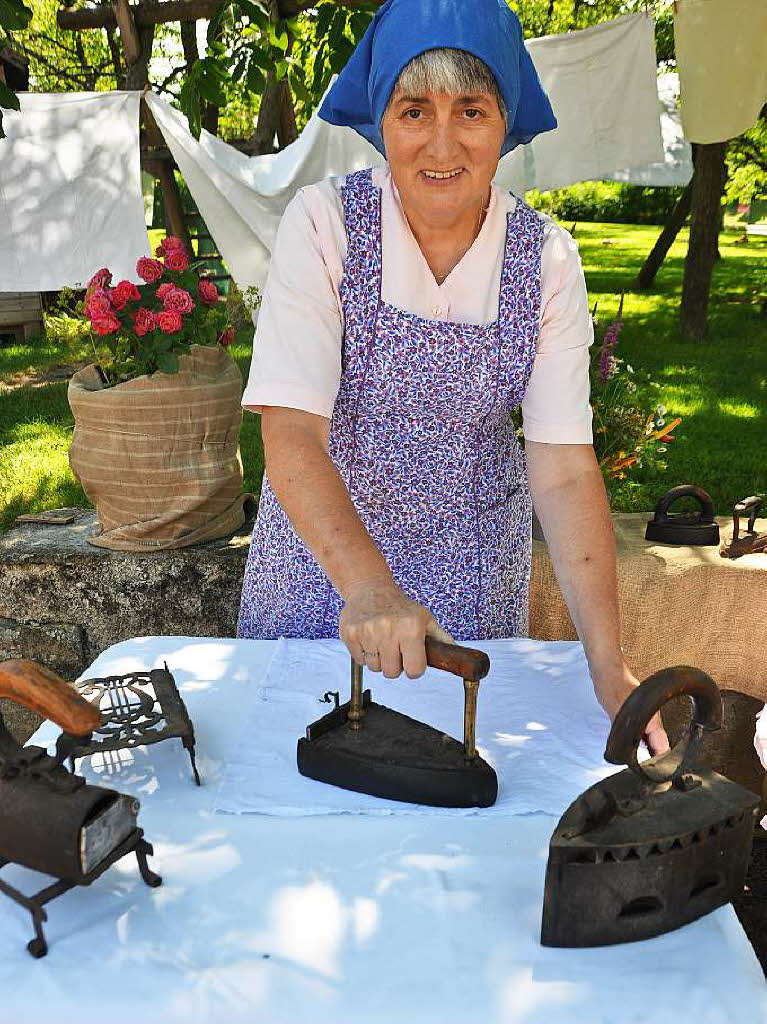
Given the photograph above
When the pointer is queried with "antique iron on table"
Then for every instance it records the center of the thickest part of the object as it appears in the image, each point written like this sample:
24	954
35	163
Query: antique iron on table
51	820
369	748
657	845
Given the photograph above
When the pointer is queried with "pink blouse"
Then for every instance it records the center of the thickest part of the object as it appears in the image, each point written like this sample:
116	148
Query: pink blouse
297	348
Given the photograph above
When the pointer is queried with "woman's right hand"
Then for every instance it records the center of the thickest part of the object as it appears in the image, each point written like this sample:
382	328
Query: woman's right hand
385	631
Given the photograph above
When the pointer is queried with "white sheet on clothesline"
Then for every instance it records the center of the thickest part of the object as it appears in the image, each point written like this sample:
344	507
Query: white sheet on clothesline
676	166
602	84
70	190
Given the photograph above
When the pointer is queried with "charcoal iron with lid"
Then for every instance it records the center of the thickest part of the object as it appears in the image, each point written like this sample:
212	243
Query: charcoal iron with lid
51	820
369	748
657	845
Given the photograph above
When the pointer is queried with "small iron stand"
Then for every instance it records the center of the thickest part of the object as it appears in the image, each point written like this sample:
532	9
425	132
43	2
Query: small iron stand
135	842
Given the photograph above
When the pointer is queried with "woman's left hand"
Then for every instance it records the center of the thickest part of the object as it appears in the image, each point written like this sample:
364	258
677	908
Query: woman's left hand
613	689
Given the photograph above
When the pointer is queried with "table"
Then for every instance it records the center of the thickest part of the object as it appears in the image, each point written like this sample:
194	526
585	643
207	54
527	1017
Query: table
354	920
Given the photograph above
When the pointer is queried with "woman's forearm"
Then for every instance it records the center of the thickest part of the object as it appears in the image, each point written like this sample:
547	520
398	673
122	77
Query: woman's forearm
307	484
570	501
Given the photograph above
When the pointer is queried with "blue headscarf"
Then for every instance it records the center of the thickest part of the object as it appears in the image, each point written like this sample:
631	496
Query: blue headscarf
403	29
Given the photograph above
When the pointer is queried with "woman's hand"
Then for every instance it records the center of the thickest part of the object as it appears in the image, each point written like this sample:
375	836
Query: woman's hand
385	631
611	692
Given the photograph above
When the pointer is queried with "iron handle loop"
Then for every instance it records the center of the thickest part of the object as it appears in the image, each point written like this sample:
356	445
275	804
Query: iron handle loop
645	701
685	491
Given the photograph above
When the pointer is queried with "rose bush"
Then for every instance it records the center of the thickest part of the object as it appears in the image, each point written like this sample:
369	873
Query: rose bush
147	326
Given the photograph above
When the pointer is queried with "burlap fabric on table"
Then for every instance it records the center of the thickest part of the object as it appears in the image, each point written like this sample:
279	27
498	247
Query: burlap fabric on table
679	606
159	456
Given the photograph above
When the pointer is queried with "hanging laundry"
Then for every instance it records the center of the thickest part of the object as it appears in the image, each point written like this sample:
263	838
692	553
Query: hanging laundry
602	84
70	190
676	166
721	52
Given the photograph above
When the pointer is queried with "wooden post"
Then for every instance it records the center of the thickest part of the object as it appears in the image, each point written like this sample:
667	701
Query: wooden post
128	32
707	186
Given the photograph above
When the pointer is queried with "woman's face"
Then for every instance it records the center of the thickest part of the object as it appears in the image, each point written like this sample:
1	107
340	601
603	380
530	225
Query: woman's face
443	133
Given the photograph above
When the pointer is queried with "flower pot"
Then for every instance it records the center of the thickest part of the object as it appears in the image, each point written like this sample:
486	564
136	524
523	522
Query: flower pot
158	456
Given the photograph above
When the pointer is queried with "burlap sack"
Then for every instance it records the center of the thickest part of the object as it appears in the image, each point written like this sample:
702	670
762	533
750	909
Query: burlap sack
679	606
159	456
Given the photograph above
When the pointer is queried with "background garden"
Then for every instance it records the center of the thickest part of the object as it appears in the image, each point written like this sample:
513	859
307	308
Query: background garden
249	56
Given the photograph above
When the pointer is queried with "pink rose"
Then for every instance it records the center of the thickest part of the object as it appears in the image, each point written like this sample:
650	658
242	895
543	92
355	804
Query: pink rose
124	292
149	270
208	292
226	337
106	324
170	244
100	279
144	321
169	321
178	298
97	303
163	290
176	260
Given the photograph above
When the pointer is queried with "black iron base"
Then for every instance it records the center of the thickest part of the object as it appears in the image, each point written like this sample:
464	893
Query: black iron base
394	757
135	843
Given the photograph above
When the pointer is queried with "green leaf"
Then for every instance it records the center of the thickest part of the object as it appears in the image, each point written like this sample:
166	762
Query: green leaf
358	24
281	69
240	67
298	86
167	362
324	17
14	15
8	98
256	80
337	26
262	58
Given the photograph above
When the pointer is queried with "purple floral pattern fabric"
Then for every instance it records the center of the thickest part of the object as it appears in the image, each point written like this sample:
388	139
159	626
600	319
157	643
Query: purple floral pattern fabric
422	435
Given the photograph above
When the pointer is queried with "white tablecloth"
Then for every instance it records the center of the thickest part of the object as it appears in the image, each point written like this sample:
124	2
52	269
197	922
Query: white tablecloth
345	919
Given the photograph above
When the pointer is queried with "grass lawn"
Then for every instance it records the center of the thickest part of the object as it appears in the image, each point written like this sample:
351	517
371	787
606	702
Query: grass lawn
718	387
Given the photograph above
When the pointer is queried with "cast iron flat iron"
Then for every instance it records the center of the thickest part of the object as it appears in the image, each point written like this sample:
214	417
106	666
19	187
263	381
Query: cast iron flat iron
369	748
51	820
657	845
695	528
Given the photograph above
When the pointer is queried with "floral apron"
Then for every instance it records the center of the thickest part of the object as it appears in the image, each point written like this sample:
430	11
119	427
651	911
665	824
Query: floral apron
422	435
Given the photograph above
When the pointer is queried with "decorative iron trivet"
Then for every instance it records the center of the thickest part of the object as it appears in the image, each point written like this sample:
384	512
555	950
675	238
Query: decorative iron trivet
136	709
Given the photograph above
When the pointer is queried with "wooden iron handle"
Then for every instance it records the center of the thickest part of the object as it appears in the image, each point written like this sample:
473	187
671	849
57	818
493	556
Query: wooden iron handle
461	661
47	694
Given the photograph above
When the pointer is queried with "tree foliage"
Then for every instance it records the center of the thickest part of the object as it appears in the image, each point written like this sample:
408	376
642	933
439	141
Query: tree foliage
14	16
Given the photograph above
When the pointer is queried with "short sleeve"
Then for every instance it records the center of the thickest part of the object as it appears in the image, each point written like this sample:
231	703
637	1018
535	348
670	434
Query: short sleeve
555	408
296	359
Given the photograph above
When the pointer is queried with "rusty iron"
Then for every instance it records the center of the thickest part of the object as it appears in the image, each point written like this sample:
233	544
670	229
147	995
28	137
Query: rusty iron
750	542
369	748
136	709
51	820
696	528
657	845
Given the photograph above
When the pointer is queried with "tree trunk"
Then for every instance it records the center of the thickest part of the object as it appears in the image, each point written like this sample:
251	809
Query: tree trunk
673	225
175	224
707	186
137	74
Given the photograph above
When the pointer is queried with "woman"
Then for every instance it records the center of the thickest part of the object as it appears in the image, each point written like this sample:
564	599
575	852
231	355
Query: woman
408	311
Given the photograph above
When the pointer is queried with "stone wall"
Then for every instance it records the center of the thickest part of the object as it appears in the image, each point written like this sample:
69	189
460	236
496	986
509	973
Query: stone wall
64	601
